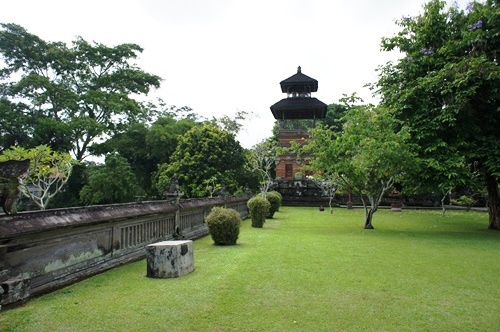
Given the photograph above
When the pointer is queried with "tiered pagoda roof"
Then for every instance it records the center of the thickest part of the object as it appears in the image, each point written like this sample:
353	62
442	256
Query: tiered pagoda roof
297	81
299	104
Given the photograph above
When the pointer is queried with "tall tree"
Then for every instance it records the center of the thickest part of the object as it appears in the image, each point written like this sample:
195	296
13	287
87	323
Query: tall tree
446	88
439	169
234	123
113	182
68	96
334	116
163	136
145	147
131	145
368	156
203	153
14	125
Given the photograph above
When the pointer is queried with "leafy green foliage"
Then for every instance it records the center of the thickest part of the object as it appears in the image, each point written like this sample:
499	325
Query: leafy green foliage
67	97
113	182
212	186
280	199
232	124
368	156
446	89
69	196
163	136
334	117
259	209
202	153
464	200
14	125
224	225
145	147
48	172
274	199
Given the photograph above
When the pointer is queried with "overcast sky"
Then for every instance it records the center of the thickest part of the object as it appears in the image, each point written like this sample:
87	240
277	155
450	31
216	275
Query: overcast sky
221	56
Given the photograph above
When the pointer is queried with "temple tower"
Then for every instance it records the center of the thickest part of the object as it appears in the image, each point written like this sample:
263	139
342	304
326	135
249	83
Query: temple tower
296	114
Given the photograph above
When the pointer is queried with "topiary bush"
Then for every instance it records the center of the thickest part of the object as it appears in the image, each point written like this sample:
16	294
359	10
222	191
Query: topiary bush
274	198
223	225
281	198
259	209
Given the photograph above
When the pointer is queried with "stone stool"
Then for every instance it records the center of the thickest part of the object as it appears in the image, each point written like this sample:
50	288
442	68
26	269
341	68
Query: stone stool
169	259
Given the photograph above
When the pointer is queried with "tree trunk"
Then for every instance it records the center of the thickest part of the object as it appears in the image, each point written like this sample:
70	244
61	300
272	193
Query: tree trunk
369	211
443	207
330	202
368	219
493	202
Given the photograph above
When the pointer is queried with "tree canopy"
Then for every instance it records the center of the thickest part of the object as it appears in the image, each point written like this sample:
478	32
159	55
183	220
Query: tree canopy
203	153
446	89
67	96
147	146
113	182
368	156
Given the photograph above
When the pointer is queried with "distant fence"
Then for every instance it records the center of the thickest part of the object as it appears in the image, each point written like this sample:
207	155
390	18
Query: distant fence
410	201
307	193
44	250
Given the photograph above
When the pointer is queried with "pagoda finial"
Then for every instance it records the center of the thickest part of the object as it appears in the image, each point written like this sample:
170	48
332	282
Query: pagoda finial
299	70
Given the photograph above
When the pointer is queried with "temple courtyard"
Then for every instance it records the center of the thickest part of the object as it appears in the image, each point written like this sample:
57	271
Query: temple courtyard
305	270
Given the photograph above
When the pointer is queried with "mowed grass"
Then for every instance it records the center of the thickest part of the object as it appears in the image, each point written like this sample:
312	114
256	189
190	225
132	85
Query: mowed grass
306	270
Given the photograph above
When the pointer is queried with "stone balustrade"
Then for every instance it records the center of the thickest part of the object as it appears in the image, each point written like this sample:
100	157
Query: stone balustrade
44	250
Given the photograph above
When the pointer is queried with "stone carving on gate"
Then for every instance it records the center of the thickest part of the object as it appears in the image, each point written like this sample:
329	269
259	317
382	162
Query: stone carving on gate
10	171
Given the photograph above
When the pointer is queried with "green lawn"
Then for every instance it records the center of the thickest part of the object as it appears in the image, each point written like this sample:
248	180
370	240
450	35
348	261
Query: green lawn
306	270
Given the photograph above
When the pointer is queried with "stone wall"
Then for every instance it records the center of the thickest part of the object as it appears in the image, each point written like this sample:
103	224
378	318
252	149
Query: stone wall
44	250
306	193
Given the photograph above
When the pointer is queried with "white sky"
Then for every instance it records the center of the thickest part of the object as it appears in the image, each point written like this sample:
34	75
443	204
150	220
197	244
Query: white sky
220	56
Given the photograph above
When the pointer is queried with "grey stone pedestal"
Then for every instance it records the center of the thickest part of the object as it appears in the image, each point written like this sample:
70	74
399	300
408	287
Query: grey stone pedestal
169	259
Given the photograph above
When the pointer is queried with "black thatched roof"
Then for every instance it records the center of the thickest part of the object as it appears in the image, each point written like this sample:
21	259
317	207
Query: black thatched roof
299	108
298	83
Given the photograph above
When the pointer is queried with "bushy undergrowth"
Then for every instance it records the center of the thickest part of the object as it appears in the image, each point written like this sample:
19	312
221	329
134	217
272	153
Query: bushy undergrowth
259	209
224	225
274	199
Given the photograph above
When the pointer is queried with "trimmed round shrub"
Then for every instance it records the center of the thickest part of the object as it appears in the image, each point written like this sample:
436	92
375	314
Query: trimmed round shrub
281	198
275	199
259	209
223	225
